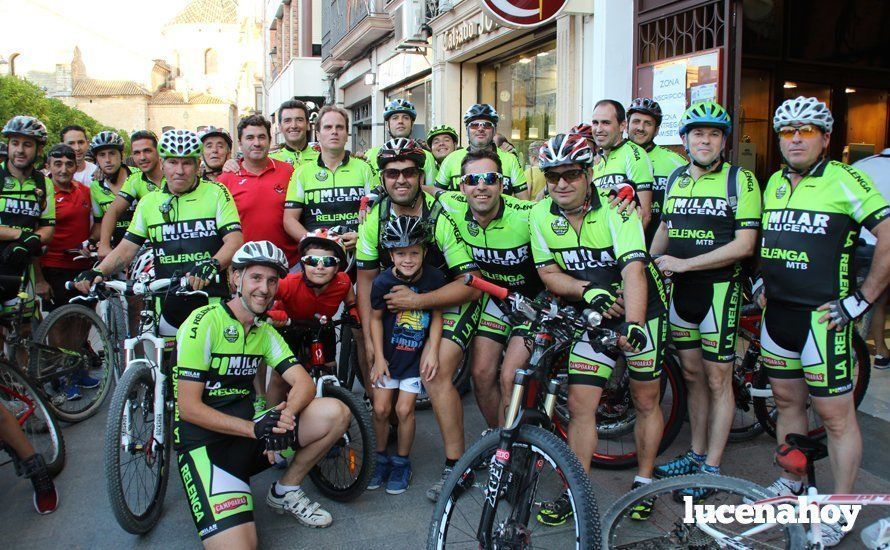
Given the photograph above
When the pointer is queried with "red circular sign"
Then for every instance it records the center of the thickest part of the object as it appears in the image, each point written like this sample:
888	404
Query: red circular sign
524	13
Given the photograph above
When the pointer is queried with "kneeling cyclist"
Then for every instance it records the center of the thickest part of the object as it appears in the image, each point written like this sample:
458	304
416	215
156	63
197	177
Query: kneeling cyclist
220	444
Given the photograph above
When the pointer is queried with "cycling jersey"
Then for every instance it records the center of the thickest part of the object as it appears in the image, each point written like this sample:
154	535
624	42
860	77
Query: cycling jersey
293	157
138	185
190	232
702	215
329	198
810	233
449	173
627	163
101	197
664	162
430	169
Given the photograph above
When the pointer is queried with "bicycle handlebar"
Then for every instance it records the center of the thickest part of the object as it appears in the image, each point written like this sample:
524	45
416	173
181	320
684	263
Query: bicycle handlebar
487	287
124	288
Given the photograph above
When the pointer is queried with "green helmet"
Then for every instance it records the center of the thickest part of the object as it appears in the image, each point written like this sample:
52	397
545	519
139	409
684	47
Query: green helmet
705	114
442	129
180	144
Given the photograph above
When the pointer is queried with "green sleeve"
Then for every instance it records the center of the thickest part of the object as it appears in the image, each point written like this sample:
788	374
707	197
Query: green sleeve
366	251
227	220
371	158
749	208
48	216
429	169
867	206
628	240
541	253
277	353
295	197
639	169
130	189
194	340
443	178
457	257
137	231
514	171
95	206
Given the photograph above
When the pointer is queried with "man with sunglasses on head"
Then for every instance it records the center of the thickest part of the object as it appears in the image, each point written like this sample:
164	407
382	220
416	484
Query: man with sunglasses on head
400	161
191	224
591	255
812	213
481	121
709	225
399	116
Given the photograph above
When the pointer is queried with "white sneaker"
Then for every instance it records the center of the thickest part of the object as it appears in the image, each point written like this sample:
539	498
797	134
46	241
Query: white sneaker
297	504
782	487
832	534
877	535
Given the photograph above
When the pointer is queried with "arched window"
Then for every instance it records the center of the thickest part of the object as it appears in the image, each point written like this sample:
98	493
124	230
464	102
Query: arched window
210	61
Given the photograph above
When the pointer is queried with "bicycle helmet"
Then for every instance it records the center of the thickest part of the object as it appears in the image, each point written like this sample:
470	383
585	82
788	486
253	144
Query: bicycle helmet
27	126
803	110
399	106
584	130
707	114
400	149
482	111
403	231
327	239
646	106
106	140
564	149
143	265
442	129
180	144
211	131
261	253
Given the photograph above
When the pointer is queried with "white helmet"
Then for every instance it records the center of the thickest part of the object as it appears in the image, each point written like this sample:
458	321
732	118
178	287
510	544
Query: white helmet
143	263
803	110
261	253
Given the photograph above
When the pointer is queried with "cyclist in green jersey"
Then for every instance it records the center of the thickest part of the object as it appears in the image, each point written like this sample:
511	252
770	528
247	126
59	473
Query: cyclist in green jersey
710	223
481	121
217	144
442	141
220	442
295	125
328	192
191	224
812	214
494	228
620	162
643	122
400	173
107	148
27	210
149	177
588	254
398	117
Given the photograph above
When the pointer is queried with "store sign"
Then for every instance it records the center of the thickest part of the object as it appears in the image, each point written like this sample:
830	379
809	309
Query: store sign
669	90
467	31
400	67
524	13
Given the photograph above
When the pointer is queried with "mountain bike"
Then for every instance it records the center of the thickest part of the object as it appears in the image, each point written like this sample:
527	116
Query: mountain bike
343	473
527	463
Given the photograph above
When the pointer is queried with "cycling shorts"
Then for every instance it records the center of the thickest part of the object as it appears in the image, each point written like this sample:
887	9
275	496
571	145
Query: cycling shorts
495	325
408	385
795	344
594	367
706	316
459	323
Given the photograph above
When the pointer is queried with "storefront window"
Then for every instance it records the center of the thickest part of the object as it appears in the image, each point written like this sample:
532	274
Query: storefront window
866	122
523	90
420	94
361	127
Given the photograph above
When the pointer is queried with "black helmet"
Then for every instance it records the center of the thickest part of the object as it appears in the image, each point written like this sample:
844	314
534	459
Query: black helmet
106	140
27	126
400	149
646	106
403	231
482	111
399	106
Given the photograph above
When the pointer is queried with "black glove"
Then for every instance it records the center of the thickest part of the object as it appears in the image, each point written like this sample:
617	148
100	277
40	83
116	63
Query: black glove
263	424
21	250
635	334
206	269
281	442
850	308
599	299
89	275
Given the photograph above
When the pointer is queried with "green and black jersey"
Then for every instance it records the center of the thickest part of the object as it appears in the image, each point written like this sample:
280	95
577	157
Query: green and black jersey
430	168
293	157
138	185
627	163
502	249
101	197
664	162
448	177
26	204
329	198
810	232
702	215
186	229
212	348
607	242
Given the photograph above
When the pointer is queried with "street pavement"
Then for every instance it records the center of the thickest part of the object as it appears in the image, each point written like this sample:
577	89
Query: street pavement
375	520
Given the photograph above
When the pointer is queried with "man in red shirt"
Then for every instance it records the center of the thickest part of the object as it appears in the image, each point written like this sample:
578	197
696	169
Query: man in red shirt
259	187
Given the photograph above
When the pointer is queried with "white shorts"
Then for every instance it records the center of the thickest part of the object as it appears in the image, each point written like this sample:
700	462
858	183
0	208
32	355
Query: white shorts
410	385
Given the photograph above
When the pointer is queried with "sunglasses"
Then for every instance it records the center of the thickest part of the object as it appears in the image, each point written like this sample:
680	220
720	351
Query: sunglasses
805	131
480	124
317	261
570	176
393	173
488	178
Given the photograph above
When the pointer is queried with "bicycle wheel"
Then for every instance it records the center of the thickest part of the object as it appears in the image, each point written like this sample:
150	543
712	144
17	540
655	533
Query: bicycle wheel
461	381
72	345
115	319
136	467
541	467
343	473
20	398
765	407
347	360
666	527
745	424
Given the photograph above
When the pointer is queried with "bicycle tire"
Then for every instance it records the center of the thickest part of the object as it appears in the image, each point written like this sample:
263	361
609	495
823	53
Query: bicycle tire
744	401
766	413
62	317
545	443
461	381
347	359
138	522
118	329
741	487
360	425
42	429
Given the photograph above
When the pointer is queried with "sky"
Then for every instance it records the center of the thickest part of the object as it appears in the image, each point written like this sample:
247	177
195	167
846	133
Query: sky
118	39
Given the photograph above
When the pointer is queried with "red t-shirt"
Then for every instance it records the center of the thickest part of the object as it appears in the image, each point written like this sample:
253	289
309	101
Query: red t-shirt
73	215
260	202
300	302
